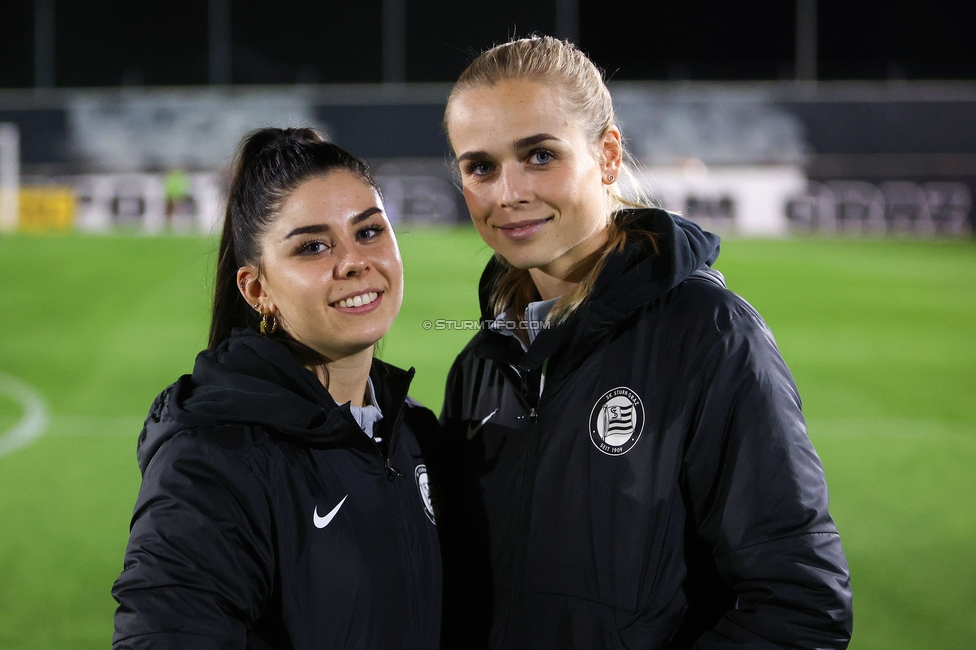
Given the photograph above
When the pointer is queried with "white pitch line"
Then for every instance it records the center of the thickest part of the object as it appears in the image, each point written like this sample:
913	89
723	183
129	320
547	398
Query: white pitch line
102	426
35	419
889	429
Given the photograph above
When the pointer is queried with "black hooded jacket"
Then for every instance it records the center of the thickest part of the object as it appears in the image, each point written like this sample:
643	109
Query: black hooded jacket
641	477
268	519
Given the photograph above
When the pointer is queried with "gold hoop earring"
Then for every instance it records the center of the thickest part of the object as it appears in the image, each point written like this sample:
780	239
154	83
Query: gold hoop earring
269	324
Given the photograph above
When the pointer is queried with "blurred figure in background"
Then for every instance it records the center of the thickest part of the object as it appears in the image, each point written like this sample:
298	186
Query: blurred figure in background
284	501
180	205
628	463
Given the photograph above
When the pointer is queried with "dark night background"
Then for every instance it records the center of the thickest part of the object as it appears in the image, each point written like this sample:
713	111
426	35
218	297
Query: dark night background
115	42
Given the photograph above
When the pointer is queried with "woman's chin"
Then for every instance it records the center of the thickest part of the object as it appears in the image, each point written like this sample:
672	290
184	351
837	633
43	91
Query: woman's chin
354	348
336	350
525	258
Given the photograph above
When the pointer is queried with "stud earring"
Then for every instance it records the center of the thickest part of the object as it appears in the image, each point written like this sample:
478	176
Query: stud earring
610	178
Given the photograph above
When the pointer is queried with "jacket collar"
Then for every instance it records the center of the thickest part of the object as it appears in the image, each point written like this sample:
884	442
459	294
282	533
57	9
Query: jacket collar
254	380
630	279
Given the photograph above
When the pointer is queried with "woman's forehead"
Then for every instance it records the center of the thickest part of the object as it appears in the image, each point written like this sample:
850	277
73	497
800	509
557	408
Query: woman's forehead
334	199
509	94
506	113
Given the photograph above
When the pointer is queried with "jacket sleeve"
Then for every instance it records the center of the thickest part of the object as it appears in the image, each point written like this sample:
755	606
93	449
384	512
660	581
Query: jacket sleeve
759	499
199	564
453	392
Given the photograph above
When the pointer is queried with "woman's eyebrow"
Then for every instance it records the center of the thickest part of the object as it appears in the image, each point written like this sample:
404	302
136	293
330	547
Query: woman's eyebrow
364	215
522	143
472	155
321	227
303	230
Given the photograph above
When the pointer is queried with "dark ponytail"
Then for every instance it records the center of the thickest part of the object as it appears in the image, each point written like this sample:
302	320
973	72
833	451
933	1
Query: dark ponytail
269	165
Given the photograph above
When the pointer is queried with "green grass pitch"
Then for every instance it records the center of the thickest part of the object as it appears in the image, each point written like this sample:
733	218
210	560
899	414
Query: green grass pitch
881	336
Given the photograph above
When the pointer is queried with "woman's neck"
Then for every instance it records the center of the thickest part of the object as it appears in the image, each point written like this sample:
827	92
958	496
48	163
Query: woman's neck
565	274
346	378
550	286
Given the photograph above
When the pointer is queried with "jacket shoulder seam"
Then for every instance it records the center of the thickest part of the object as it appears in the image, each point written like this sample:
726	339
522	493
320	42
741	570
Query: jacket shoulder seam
807	533
714	339
240	456
149	634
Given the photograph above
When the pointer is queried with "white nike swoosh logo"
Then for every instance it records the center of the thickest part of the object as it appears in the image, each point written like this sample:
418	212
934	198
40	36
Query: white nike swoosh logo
473	429
322	522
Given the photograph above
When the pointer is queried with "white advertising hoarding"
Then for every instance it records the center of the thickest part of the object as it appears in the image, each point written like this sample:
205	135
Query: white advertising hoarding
745	200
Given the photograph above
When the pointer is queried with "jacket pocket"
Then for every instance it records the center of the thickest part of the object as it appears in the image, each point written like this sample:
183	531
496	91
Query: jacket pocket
650	629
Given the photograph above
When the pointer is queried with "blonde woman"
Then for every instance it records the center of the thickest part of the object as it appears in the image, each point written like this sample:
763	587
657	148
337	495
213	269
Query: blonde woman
628	462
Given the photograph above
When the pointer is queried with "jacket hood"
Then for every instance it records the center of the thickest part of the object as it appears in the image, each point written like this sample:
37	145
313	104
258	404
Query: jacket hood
254	380
630	279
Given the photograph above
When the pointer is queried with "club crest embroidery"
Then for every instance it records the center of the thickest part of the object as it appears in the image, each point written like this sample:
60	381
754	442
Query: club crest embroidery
617	421
428	492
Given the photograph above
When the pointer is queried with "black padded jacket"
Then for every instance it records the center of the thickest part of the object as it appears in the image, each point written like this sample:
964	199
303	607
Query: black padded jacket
641	476
268	519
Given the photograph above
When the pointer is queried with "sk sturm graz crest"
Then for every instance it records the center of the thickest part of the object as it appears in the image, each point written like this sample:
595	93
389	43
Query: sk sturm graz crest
428	492
616	421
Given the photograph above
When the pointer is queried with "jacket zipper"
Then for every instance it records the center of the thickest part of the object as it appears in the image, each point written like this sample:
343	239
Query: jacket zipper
391	474
413	588
528	478
391	471
523	375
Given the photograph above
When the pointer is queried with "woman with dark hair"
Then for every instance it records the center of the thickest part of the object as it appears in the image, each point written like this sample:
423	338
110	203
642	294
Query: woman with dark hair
284	500
628	464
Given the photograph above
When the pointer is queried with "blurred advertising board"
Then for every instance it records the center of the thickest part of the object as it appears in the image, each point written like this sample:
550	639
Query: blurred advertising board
884	206
147	203
414	191
46	208
755	159
773	201
747	201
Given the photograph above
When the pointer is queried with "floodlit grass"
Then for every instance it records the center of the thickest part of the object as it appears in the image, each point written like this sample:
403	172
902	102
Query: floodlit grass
881	336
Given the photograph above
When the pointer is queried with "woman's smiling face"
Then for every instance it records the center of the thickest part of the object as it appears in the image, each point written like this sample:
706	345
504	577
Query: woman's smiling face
330	267
533	183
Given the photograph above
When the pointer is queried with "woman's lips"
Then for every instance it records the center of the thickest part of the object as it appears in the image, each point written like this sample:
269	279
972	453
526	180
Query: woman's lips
523	229
351	308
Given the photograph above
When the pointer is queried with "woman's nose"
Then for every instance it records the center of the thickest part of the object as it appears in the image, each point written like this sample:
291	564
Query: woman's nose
352	263
513	187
